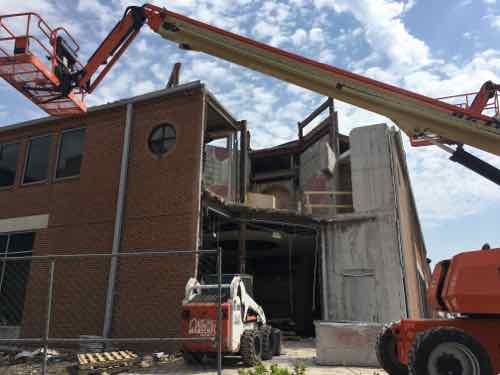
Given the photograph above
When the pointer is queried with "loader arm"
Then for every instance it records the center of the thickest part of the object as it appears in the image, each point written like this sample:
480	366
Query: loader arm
414	113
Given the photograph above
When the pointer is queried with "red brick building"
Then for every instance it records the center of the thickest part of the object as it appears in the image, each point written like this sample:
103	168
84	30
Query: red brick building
172	170
71	208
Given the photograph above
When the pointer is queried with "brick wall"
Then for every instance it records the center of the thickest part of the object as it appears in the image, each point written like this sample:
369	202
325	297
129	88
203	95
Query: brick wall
161	212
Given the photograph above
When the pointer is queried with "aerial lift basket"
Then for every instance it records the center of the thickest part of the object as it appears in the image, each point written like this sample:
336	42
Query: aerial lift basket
27	42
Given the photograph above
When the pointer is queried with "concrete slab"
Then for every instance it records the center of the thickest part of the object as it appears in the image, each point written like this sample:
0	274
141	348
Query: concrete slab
346	343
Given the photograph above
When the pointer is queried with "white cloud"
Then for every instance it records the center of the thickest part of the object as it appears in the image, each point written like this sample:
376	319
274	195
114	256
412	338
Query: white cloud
495	22
299	37
316	35
14	6
385	30
144	87
96	9
446	190
491	16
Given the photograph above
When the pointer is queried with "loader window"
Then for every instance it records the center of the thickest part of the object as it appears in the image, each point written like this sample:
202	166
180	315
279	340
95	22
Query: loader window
212	295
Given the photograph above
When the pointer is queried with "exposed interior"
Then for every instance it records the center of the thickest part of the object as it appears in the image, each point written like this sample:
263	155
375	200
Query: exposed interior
258	207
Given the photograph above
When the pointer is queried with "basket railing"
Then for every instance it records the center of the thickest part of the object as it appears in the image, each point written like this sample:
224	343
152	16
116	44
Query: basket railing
37	32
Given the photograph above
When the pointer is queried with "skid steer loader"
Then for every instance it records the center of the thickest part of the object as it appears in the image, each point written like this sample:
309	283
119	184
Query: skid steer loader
245	331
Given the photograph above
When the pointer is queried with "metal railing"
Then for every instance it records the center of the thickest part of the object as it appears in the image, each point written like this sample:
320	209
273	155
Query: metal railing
26	42
309	203
53	287
464	101
492	108
33	24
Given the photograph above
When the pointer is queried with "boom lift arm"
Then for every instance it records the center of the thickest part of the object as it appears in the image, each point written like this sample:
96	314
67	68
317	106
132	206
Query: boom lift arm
416	114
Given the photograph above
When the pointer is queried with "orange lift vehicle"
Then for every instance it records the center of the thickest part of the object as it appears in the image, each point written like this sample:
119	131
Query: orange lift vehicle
467	288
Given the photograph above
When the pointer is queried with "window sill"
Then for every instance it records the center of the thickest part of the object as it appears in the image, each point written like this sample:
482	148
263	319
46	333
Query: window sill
66	179
36	183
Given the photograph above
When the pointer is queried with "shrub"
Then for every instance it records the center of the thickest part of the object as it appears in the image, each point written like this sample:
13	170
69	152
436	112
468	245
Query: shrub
260	369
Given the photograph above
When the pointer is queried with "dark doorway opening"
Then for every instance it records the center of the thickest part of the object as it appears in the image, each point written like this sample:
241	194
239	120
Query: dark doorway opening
284	263
14	276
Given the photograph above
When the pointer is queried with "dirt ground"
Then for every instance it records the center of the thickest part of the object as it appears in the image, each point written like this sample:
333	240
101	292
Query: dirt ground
293	352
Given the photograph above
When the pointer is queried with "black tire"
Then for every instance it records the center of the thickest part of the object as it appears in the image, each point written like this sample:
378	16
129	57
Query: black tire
192	358
276	339
267	345
386	350
448	350
251	348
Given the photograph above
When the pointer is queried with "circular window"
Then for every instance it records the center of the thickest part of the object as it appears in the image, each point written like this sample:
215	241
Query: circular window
162	139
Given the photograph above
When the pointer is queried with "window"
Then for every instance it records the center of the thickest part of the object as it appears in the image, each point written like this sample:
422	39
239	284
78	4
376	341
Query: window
37	162
424	307
8	163
70	153
14	276
162	139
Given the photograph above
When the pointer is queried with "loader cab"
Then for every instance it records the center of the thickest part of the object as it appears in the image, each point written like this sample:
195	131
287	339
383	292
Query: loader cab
434	297
227	278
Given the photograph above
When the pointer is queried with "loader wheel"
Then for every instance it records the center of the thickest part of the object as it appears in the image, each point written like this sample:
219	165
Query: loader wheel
251	347
387	354
276	341
448	351
267	344
191	358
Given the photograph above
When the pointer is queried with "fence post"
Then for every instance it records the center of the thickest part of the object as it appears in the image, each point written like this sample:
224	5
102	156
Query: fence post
219	312
49	313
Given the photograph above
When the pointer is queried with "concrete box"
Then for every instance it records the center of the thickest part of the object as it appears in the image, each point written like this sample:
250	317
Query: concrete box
346	343
256	200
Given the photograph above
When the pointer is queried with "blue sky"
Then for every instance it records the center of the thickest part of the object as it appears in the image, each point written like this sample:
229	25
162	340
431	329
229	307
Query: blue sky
437	48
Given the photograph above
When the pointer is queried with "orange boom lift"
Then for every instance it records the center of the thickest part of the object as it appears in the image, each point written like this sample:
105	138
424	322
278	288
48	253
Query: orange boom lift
466	288
59	87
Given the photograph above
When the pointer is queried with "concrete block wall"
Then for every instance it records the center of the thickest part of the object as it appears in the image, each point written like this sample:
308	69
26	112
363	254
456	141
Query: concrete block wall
364	281
371	173
370	263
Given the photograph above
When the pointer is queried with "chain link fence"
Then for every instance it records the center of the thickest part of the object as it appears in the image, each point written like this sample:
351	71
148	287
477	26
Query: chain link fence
56	306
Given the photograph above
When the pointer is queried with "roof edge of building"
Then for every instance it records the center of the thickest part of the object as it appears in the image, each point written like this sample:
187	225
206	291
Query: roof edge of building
135	99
